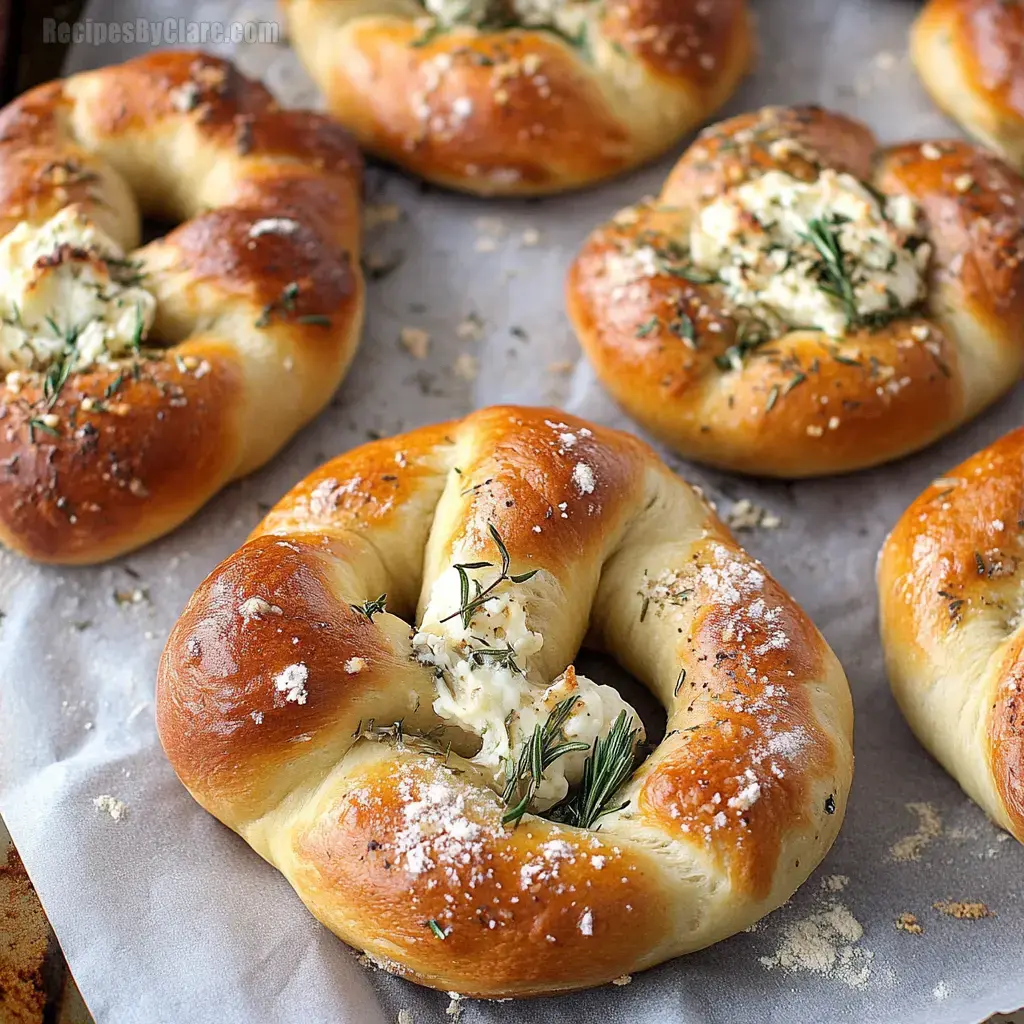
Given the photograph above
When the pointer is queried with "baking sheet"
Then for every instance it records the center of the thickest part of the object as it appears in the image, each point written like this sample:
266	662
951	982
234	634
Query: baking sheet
167	916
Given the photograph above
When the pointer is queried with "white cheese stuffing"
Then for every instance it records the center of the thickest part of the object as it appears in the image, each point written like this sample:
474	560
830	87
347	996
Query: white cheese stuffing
291	681
65	292
493	696
755	238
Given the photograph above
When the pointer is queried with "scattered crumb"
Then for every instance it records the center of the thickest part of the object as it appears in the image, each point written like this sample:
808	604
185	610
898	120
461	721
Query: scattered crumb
885	60
355	665
929	827
625	979
471	328
454	1009
941	991
745	515
485	244
375	214
466	367
835	883
561	366
404	1017
824	942
963	911
416	341
530	237
125	598
908	923
117	809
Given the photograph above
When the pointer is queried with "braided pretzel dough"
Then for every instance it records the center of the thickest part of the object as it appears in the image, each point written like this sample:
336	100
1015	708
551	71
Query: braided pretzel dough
949	588
258	297
805	402
526	110
970	56
270	677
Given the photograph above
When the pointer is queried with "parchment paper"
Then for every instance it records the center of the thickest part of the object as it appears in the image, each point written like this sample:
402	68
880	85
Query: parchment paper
166	916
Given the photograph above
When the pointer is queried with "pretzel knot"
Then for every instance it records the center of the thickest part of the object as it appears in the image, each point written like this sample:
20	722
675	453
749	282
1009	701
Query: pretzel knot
950	613
798	301
519	97
377	692
140	380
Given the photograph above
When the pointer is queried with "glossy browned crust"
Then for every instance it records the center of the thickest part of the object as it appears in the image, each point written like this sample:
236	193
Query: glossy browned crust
761	693
806	404
718	738
949	582
543	116
167	431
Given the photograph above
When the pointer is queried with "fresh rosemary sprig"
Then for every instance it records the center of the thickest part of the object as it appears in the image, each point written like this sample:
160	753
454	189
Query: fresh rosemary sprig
607	768
467	604
58	372
524	775
833	277
371	608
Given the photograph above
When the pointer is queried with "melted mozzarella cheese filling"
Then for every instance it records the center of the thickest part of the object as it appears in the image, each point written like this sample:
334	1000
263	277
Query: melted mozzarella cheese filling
755	238
495	699
60	294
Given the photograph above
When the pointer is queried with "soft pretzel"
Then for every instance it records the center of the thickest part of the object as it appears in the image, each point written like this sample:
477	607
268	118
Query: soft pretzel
799	302
949	587
521	97
970	56
365	757
140	381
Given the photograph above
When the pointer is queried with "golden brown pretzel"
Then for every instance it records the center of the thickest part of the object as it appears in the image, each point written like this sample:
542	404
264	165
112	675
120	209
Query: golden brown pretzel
949	583
970	56
521	97
280	685
140	381
694	308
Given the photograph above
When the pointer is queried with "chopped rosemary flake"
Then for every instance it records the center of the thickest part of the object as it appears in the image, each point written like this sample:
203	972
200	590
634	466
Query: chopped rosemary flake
316	319
752	334
773	397
35	423
644	329
371	608
439	932
285	302
679	682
